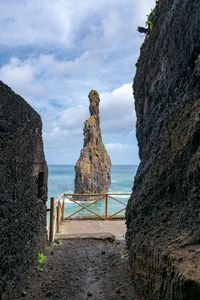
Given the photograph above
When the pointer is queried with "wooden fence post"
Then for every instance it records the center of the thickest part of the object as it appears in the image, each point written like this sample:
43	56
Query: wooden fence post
63	209
58	217
51	221
106	207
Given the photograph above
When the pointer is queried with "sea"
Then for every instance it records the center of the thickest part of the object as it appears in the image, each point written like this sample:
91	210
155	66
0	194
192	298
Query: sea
61	180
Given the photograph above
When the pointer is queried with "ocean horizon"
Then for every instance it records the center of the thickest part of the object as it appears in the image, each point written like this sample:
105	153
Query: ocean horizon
61	180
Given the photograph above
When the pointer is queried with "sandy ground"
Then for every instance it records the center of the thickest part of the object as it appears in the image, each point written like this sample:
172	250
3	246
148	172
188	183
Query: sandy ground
80	269
79	227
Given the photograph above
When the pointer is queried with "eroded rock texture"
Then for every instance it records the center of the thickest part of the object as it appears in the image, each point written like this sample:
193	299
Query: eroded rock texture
93	167
23	187
163	213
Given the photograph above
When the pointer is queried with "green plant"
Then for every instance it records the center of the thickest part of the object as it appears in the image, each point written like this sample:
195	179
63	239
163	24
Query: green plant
149	21
41	259
151	18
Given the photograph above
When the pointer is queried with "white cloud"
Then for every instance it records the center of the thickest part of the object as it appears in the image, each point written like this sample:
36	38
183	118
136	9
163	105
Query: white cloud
21	76
119	147
71	118
55	22
117	107
34	79
56	51
128	153
35	22
42	78
116	115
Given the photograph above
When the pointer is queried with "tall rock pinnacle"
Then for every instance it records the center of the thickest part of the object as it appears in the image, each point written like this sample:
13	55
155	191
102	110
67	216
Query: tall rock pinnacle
93	167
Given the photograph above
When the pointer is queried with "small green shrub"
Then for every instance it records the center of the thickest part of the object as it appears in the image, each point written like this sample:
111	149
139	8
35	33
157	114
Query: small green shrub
151	17
41	259
149	23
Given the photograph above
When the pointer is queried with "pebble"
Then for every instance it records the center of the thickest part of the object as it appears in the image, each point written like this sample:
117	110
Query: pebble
89	294
117	290
24	293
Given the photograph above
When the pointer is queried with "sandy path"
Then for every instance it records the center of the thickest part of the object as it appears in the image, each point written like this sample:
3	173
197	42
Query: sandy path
78	270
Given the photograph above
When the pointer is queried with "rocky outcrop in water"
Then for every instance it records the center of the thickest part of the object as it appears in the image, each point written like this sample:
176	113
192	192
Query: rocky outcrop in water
163	213
93	167
23	188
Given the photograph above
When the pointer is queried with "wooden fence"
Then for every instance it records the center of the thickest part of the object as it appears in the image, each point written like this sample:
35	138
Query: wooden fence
84	202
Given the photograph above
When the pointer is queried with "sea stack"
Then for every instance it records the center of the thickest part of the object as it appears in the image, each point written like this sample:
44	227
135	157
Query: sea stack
93	167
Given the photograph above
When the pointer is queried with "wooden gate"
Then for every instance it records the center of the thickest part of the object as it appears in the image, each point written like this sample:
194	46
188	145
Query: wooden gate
84	202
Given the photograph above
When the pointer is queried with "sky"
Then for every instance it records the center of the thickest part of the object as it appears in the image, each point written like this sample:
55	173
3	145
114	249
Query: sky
53	52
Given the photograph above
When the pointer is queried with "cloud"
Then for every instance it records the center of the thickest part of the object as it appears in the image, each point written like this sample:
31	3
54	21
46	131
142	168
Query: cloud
21	76
83	45
64	135
64	116
41	79
35	22
128	153
61	22
54	52
118	114
49	81
118	147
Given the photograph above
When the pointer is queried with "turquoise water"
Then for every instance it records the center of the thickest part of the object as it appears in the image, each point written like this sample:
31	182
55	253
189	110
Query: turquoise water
61	180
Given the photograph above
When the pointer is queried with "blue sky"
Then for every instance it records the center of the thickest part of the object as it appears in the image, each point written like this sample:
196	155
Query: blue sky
53	52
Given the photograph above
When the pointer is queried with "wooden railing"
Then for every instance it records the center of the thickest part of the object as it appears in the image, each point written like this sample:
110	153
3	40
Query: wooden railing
84	202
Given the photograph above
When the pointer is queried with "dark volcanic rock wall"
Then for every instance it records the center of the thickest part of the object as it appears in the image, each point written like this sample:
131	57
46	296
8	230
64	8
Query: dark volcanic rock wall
163	213
23	187
93	166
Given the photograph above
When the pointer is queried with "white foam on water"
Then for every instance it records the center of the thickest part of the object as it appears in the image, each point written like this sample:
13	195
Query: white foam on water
78	201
